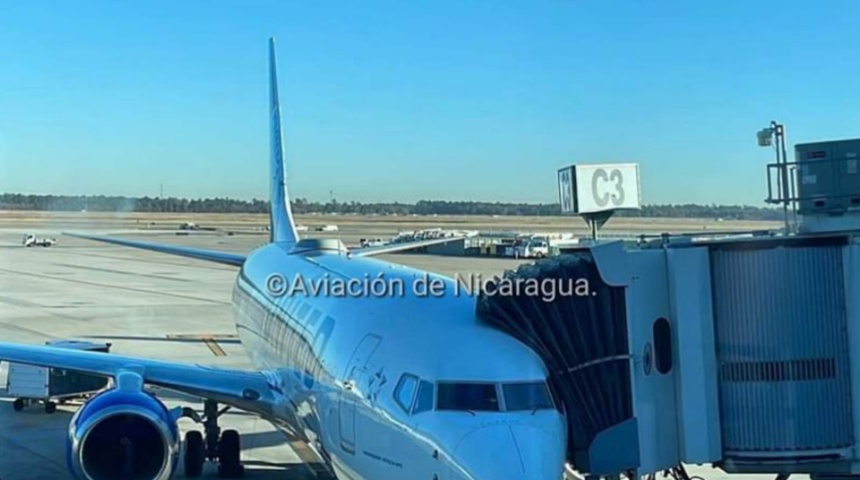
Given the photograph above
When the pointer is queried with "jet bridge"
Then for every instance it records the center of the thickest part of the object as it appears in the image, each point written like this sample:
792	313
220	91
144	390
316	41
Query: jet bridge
608	348
740	352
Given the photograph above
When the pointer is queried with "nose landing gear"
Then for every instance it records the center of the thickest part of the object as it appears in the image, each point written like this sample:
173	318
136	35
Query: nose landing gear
223	448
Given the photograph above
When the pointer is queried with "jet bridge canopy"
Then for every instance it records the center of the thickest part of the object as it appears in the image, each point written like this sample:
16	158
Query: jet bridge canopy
583	340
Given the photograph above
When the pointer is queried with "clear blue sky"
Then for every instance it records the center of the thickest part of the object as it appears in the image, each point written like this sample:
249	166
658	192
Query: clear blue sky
475	100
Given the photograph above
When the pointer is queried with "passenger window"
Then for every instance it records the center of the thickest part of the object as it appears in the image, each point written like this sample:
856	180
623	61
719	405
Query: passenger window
404	392
467	397
424	402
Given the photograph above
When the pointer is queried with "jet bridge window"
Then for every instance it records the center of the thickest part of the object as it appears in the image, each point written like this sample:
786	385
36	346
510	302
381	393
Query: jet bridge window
662	345
526	396
404	392
467	397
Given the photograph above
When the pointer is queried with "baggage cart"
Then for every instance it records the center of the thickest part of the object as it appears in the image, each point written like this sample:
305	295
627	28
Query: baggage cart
30	384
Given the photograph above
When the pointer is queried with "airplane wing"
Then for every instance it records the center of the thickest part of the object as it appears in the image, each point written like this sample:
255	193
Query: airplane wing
400	247
237	260
252	391
198	253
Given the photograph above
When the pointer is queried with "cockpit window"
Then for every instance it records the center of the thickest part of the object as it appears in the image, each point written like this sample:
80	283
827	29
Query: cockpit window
526	396
424	400
467	397
404	392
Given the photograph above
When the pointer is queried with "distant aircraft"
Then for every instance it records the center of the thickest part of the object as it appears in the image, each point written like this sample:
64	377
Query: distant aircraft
397	385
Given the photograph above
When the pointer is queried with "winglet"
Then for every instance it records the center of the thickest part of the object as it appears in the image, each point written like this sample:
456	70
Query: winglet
282	227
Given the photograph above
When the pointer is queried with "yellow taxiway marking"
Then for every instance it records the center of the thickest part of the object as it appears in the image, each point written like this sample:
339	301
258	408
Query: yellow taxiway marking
214	347
309	459
210	341
304	452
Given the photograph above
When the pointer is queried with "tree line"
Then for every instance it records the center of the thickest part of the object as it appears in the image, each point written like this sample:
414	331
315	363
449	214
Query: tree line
100	203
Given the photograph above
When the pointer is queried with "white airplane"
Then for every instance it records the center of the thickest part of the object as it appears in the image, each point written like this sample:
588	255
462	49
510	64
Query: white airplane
388	385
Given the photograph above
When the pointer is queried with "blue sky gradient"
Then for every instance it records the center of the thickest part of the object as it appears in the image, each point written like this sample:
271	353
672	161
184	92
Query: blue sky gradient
387	100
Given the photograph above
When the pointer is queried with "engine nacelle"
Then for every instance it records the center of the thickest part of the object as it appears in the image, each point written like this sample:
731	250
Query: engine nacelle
123	433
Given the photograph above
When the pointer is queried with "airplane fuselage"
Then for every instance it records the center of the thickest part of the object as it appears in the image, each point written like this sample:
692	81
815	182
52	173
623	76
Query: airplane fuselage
389	378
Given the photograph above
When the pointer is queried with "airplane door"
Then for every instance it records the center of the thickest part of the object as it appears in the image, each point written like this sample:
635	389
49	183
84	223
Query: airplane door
350	394
347	418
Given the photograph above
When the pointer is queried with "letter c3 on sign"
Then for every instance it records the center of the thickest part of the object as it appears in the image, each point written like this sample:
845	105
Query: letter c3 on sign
614	181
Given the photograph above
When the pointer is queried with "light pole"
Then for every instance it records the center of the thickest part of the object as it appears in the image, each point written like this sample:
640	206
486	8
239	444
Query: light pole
766	138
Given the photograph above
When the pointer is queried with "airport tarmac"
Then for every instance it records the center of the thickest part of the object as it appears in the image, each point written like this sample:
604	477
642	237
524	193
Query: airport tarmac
150	305
352	228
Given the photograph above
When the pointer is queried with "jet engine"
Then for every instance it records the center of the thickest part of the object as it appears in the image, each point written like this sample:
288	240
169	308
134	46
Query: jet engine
123	433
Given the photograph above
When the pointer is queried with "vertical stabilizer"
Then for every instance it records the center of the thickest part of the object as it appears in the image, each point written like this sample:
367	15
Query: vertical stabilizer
283	229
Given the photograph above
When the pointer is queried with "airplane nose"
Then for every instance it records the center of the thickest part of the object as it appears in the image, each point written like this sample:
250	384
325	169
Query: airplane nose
509	452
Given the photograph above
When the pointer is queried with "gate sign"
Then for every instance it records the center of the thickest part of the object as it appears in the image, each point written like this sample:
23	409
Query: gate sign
597	188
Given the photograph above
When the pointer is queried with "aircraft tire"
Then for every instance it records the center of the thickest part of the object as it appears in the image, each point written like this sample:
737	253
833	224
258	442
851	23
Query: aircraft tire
229	453
18	404
195	452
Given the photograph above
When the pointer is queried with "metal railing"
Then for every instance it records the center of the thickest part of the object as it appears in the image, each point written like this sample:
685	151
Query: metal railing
792	197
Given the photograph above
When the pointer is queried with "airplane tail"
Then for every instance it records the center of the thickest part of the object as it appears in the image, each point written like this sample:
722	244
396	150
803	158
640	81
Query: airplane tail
282	228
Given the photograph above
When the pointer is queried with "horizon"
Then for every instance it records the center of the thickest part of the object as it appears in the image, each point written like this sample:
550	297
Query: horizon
293	200
316	204
384	100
